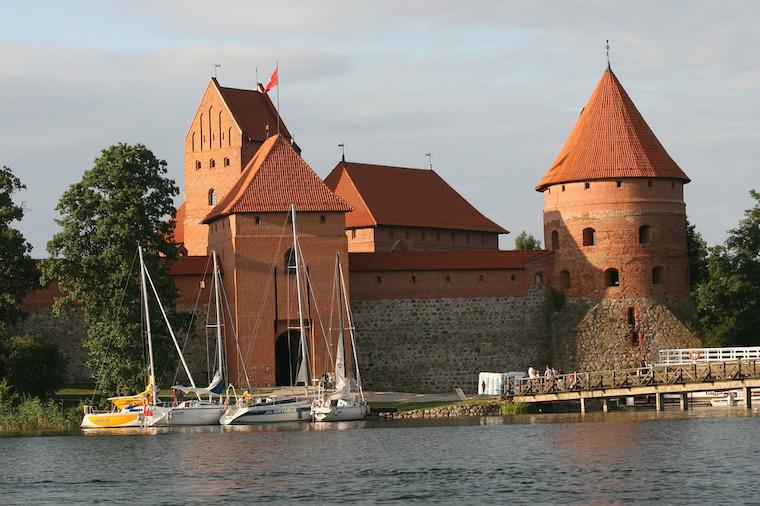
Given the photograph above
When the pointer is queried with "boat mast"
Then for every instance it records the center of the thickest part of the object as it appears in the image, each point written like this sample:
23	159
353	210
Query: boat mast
303	368
217	280
152	378
340	352
351	330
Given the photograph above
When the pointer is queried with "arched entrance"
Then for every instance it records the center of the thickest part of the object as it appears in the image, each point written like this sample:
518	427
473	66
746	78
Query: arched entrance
286	358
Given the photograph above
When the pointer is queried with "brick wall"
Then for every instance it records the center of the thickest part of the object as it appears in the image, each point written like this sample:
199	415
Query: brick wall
400	238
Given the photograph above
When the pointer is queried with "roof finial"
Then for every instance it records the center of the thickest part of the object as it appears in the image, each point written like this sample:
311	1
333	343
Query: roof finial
343	152
430	160
216	66
608	54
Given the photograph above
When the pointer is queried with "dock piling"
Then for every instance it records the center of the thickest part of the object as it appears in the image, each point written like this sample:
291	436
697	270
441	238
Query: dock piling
659	401
748	397
684	401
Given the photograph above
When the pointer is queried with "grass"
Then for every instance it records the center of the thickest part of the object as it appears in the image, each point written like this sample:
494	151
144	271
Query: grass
411	406
22	413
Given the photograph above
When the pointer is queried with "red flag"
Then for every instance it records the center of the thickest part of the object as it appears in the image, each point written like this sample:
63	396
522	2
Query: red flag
272	81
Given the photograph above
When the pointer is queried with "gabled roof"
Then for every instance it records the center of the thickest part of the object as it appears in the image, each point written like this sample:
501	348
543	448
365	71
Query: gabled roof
252	111
274	178
610	140
442	260
382	195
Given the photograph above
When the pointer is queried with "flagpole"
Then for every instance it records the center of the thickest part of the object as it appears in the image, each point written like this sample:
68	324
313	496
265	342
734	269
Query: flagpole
277	69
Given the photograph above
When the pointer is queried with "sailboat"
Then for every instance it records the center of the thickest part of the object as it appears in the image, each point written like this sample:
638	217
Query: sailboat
131	410
198	411
342	404
290	408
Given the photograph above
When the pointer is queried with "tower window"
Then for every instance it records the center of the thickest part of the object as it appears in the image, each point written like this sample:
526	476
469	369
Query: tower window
414	279
512	277
211	197
290	261
657	275
619	184
322	218
589	236
481	278
612	277
353	233
258	220
212	163
448	278
563	187
564	280
198	164
226	161
645	232
586	186
378	280
555	239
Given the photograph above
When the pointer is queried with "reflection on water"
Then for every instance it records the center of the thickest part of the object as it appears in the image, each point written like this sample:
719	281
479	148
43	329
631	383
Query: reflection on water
637	456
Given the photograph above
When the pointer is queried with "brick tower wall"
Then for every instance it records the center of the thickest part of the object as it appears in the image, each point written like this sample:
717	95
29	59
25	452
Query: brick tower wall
262	294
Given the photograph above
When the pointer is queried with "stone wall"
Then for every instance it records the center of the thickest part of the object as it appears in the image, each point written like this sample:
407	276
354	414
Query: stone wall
435	345
593	335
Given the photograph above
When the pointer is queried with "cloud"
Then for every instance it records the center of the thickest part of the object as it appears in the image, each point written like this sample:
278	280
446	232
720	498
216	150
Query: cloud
492	89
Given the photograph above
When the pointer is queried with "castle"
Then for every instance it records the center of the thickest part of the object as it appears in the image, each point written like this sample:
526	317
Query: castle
434	299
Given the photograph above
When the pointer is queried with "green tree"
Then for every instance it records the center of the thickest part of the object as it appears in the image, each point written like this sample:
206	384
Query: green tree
32	366
698	254
124	200
524	240
728	301
16	266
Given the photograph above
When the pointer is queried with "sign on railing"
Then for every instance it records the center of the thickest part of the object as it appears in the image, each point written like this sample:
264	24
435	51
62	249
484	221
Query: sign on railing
703	355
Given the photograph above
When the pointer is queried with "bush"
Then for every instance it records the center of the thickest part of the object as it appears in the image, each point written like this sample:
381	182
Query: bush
513	408
20	413
32	366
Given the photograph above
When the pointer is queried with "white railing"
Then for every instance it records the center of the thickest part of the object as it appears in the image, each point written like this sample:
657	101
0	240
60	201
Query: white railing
703	355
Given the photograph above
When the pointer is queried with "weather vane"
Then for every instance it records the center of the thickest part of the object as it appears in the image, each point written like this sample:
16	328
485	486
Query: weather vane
216	66
608	53
343	152
430	160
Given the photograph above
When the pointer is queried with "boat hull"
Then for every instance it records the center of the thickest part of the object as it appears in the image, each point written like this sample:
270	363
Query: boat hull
297	411
204	414
353	411
112	420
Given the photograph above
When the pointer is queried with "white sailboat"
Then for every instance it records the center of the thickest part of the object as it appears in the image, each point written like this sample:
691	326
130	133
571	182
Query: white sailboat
342	404
200	411
290	408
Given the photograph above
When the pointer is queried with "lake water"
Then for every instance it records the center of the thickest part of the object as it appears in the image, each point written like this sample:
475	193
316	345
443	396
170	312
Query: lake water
704	455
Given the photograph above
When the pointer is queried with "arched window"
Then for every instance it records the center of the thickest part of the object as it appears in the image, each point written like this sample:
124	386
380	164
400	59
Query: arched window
290	261
539	279
645	233
211	197
200	125
229	136
226	161
586	186
193	141
198	164
657	275
612	277
589	236
414	279
564	280
212	163
555	239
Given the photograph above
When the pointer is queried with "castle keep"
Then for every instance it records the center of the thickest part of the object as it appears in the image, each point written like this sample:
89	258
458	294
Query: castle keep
435	301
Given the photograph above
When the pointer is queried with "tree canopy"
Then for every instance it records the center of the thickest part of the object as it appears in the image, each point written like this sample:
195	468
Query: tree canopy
124	200
524	240
16	266
728	300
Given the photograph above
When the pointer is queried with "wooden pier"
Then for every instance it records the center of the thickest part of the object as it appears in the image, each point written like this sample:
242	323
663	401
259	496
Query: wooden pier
656	380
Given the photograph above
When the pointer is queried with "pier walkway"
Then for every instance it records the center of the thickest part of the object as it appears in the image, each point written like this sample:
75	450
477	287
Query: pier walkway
656	380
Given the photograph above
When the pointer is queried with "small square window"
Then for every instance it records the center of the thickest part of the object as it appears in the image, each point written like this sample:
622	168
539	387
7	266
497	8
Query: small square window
586	186
619	184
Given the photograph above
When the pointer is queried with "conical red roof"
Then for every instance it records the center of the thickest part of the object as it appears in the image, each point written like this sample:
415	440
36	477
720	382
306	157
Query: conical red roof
610	140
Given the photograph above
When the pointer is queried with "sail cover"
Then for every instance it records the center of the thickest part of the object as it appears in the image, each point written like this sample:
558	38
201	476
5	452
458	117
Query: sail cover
341	385
215	387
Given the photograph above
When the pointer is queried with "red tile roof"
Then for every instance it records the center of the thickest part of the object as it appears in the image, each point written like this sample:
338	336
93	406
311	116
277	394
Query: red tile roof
441	260
252	111
382	195
191	266
274	178
610	140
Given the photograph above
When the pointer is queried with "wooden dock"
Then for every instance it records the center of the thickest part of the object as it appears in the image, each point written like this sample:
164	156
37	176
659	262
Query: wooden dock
656	380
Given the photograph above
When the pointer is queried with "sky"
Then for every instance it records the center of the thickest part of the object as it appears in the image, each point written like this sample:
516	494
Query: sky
491	89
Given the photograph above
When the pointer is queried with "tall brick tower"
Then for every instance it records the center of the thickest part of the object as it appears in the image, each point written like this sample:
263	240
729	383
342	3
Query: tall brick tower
614	214
251	231
229	126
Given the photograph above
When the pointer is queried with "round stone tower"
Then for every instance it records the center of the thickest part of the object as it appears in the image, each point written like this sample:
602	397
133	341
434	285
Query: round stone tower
614	214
